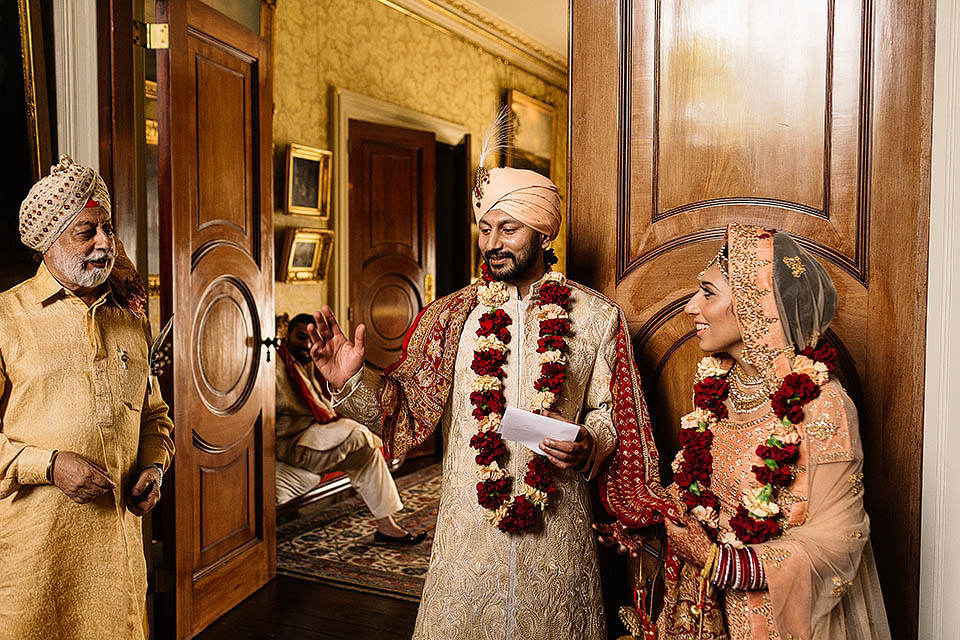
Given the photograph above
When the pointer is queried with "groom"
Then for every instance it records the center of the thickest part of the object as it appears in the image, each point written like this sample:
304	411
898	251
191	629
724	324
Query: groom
514	556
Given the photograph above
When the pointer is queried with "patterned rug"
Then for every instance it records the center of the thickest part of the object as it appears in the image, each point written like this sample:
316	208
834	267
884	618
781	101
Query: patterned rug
335	545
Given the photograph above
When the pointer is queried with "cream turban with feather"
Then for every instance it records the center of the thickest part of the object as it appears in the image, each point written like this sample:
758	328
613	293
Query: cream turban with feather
522	194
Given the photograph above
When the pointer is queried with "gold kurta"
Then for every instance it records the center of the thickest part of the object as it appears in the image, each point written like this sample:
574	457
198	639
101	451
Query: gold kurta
72	570
484	584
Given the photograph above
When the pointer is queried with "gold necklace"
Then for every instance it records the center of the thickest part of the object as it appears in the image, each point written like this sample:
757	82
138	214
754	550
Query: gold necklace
747	393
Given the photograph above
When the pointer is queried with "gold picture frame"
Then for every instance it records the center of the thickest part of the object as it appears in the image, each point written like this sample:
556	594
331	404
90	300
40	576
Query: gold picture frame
532	143
306	254
308	181
35	87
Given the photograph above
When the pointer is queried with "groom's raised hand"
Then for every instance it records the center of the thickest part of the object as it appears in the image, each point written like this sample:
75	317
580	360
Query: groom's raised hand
335	357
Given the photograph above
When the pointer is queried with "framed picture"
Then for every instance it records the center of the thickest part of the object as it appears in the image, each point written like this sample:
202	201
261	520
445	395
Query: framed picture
308	181
35	87
534	130
306	255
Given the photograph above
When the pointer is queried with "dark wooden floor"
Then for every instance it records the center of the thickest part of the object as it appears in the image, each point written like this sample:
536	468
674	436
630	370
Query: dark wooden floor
291	609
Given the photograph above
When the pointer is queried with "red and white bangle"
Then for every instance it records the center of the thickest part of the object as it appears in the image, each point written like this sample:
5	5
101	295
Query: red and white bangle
738	569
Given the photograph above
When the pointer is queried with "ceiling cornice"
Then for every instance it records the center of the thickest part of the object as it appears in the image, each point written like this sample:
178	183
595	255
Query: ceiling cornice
482	28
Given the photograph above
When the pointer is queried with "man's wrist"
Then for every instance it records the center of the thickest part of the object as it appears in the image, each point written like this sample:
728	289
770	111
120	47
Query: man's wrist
159	468
53	459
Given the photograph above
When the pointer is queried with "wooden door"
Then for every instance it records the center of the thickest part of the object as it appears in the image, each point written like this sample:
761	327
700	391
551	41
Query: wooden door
215	100
809	117
392	250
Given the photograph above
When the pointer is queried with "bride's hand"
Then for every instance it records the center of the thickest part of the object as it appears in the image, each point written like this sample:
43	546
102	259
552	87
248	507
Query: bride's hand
689	540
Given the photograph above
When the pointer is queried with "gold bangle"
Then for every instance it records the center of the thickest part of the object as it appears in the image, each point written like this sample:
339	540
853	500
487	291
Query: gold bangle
49	472
711	560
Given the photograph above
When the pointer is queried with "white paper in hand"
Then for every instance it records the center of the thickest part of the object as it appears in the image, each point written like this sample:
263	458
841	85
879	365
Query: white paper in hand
529	428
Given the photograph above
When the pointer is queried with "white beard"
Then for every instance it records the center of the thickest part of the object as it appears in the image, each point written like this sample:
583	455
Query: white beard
73	266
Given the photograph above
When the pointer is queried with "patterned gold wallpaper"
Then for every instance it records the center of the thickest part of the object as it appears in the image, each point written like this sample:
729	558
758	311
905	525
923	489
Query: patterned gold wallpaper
367	47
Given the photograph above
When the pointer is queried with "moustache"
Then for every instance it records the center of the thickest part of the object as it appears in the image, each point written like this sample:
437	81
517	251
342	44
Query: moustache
98	256
491	255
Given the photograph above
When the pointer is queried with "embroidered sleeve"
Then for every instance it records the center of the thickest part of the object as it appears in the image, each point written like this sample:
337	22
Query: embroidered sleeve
358	399
598	401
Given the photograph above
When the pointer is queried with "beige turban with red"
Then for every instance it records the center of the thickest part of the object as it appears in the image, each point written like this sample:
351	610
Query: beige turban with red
524	195
56	201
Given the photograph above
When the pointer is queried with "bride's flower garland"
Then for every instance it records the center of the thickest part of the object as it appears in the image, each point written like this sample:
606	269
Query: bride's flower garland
514	514
755	520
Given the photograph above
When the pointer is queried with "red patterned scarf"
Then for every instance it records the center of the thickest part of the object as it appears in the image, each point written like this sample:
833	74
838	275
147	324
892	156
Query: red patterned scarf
417	386
320	412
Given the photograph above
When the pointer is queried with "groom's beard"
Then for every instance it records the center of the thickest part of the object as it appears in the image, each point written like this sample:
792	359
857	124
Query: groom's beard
517	265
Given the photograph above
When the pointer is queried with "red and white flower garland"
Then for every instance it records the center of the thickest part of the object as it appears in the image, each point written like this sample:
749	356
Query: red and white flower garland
518	513
755	520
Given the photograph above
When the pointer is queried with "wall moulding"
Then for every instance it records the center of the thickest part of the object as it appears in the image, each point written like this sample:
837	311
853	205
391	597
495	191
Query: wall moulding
482	28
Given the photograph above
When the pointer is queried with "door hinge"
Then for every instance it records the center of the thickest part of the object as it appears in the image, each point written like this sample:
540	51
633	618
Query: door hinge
350	314
429	288
151	35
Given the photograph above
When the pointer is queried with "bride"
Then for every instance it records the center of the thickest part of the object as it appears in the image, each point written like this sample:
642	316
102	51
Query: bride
775	542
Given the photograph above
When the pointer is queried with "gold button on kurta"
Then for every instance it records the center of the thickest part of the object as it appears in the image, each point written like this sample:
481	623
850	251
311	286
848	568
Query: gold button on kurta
73	378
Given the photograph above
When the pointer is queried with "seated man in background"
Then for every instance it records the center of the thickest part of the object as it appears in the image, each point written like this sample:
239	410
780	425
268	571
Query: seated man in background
312	437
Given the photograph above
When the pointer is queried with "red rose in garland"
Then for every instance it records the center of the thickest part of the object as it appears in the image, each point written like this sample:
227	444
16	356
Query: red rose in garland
554	327
797	390
550	343
490	446
493	493
709	394
488	363
521	515
495	323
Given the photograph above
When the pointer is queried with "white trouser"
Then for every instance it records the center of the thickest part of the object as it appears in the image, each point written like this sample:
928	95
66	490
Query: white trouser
363	464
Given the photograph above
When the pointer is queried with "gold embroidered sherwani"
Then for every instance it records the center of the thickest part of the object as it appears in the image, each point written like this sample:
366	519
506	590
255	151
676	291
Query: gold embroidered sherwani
484	584
72	570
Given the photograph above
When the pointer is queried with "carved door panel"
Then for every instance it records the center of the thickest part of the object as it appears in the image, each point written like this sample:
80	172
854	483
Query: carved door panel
215	100
392	247
797	116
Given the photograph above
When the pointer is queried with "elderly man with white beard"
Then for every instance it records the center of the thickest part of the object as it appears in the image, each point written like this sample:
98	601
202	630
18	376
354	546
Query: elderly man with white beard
84	440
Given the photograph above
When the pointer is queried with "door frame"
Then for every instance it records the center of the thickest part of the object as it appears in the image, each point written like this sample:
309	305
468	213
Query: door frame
350	105
939	575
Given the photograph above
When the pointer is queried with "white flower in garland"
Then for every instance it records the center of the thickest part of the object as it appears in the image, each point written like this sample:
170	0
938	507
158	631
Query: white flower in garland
537	497
693	419
494	294
494	516
711	366
785	433
677	462
486	383
818	371
706	515
492	472
488	343
758	502
552	355
544	400
731	539
490	422
554	276
551	312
